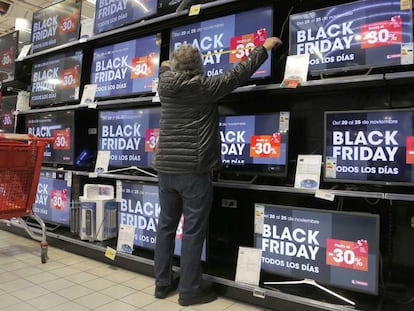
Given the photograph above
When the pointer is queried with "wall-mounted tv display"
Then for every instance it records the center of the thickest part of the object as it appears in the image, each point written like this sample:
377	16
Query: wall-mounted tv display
130	135
357	35
56	25
56	79
369	146
9	47
333	248
114	14
7	117
74	133
53	197
141	208
126	68
255	144
227	40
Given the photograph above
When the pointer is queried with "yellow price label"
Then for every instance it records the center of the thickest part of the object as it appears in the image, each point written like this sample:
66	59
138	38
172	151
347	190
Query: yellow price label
110	253
405	4
194	10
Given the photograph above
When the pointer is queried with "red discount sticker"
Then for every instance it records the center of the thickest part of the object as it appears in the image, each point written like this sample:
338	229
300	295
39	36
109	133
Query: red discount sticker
241	46
68	23
381	33
143	67
409	147
59	199
151	139
70	77
265	146
7	58
62	139
347	254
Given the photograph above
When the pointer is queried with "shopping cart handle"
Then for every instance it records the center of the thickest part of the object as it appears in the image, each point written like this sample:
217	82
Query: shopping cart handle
12	136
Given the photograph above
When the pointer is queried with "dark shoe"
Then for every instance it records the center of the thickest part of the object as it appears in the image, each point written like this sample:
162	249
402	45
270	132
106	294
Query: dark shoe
208	295
162	292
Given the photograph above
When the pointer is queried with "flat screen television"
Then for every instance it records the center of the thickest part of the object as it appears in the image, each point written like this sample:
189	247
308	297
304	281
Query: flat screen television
7	117
74	132
358	35
56	25
141	208
255	144
56	79
369	146
126	68
339	249
227	40
9	49
114	14
130	135
53	197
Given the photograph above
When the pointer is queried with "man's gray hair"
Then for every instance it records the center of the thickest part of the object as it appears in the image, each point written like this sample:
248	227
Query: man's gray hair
187	58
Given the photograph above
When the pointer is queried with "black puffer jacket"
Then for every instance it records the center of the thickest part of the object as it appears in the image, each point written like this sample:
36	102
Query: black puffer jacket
189	141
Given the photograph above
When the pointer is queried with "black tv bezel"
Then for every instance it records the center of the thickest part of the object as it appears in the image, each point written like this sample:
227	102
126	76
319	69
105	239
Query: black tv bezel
347	69
251	169
352	181
81	134
133	94
305	209
51	7
51	57
271	7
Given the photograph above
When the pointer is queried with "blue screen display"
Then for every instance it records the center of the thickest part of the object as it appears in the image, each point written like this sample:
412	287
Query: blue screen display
225	41
114	14
129	135
126	68
360	34
255	143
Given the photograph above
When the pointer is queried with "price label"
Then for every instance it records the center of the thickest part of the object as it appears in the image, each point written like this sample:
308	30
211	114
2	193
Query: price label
110	253
70	77
347	254
151	139
59	199
381	33
7	58
265	146
143	67
62	139
68	23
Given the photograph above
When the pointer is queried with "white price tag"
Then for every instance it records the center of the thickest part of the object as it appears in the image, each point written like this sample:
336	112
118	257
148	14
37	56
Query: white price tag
325	195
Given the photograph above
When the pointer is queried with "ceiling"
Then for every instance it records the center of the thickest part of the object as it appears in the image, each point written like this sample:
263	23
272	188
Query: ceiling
11	9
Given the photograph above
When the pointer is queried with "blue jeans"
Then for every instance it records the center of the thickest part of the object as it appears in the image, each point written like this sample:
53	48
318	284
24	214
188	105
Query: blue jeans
192	196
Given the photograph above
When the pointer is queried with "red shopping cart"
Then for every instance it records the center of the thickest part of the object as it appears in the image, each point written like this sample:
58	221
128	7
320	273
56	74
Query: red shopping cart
21	158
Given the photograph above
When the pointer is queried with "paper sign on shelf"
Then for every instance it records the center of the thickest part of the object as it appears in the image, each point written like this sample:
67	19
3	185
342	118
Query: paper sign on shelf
296	70
88	96
248	265
308	171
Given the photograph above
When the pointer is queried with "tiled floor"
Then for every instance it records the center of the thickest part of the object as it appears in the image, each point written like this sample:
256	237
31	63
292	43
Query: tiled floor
72	282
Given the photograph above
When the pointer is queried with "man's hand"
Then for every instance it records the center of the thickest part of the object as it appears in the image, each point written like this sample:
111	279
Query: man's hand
271	42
